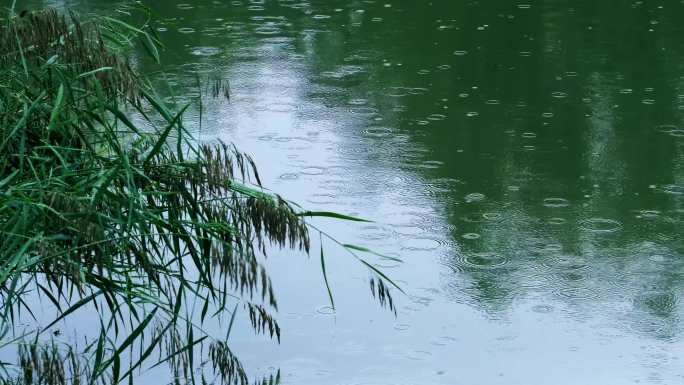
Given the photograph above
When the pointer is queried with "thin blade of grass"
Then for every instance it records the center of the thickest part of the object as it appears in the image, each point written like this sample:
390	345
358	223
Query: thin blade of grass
330	214
325	277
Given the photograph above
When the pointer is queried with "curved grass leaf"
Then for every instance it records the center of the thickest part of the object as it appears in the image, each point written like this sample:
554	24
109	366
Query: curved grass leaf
325	278
330	214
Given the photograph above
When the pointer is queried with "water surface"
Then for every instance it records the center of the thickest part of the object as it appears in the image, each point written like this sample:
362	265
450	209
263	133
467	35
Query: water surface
525	159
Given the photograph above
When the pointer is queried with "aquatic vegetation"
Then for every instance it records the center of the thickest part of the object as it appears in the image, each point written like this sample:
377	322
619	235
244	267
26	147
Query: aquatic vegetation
109	205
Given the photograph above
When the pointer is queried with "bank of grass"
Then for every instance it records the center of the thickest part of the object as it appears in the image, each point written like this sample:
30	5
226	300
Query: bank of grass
108	204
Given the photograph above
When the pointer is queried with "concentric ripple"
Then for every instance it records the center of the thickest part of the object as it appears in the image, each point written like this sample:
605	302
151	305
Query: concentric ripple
556	202
601	225
475	197
674	189
577	293
481	261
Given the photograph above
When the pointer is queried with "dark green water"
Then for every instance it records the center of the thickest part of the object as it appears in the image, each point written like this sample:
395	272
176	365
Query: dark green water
525	159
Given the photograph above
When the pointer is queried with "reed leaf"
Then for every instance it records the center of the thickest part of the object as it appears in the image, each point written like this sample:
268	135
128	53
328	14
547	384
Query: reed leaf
108	205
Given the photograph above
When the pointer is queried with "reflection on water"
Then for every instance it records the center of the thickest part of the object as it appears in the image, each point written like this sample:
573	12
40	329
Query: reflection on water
526	160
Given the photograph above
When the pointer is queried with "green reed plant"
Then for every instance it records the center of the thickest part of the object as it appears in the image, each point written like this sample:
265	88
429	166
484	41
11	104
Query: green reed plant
108	204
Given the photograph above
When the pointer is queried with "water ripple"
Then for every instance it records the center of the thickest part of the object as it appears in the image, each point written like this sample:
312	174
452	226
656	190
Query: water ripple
601	225
479	261
674	189
556	202
577	293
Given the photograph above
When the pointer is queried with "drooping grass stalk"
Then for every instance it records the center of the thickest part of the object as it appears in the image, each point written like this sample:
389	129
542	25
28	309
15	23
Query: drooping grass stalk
107	203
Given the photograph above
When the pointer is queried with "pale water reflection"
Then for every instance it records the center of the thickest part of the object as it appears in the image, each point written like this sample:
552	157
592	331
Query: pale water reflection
525	160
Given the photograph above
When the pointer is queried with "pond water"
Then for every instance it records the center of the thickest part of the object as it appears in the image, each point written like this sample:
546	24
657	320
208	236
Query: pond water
525	160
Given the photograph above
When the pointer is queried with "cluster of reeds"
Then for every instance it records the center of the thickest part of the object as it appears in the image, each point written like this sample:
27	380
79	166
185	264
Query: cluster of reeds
107	203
